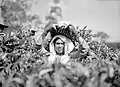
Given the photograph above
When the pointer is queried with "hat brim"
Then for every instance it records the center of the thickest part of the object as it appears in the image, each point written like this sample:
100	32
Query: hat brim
3	26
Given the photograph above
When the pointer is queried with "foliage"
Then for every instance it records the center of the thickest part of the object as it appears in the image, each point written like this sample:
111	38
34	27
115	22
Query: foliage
25	65
15	14
102	35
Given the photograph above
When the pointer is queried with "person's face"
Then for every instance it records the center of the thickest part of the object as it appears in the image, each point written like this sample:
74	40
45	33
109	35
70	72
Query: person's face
59	46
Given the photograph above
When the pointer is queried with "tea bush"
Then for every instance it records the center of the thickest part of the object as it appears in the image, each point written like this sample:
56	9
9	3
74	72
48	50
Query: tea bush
25	65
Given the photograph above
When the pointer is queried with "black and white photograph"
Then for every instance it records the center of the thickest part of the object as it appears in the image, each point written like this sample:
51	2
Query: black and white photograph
59	43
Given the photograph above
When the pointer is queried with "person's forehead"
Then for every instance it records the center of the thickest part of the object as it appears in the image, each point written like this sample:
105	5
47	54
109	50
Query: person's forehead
59	40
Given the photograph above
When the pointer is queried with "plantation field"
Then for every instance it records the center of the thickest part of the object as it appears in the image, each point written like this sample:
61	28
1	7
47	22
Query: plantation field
25	65
24	59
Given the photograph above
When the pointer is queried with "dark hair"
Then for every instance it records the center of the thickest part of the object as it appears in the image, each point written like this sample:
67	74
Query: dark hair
55	40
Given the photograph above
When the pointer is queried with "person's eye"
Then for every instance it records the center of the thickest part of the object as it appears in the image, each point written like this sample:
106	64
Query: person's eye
59	43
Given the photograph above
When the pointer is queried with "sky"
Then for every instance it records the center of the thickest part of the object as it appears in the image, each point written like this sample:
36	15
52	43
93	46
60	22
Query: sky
98	15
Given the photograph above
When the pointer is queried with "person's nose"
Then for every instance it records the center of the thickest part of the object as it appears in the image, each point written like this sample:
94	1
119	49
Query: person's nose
60	44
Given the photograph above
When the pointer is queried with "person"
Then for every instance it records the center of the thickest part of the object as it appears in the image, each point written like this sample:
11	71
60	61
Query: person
60	47
2	36
2	27
59	42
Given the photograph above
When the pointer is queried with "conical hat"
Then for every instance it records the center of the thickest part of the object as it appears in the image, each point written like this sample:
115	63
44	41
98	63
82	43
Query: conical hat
3	26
